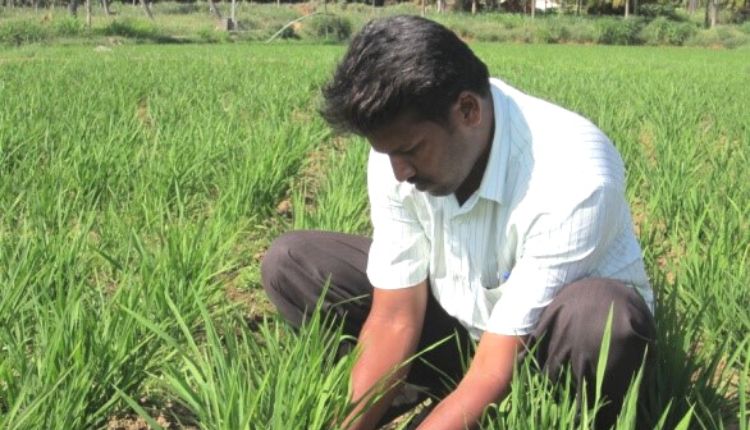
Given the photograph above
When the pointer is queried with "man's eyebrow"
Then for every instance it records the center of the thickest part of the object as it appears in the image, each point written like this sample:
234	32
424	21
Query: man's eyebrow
411	146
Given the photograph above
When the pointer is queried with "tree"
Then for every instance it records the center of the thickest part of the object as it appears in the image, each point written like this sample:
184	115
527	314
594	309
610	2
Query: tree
213	9
73	8
105	6
88	14
620	3
710	20
147	9
692	6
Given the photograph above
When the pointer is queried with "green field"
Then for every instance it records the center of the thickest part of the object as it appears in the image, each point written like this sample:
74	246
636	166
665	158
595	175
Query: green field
141	185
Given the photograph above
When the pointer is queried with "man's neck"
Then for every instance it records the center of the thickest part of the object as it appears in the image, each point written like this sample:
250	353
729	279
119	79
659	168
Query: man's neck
474	180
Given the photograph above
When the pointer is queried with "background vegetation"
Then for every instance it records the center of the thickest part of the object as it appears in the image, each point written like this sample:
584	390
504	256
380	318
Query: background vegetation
583	23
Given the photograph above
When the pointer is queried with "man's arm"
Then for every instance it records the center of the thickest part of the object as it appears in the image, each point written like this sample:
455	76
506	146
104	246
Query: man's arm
486	382
389	336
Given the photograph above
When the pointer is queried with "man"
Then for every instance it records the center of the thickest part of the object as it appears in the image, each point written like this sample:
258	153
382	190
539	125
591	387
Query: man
497	217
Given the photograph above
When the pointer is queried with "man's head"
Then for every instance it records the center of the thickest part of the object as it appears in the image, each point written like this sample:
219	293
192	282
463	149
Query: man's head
418	93
397	65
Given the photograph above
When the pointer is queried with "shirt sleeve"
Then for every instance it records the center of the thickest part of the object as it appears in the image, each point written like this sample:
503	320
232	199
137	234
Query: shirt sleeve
399	254
559	248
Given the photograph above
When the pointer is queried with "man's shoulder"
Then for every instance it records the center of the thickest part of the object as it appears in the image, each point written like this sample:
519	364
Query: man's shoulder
540	117
559	154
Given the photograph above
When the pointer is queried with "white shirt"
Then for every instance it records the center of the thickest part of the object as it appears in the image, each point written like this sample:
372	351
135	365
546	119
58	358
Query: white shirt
550	210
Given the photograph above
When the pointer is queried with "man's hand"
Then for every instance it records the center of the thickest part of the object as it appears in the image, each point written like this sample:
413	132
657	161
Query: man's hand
389	336
486	382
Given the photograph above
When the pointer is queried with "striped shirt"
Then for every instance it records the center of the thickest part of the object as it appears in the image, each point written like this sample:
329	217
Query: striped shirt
550	210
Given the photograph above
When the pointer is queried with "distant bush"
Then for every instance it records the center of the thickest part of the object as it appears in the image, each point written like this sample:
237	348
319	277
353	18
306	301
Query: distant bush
553	31
134	29
725	16
68	26
549	29
513	20
261	28
731	37
525	34
662	31
288	33
722	36
741	15
705	38
583	32
479	30
171	8
617	31
208	35
654	10
19	32
330	28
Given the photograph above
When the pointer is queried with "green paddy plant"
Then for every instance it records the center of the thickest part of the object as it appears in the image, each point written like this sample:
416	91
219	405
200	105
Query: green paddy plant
65	345
340	203
275	377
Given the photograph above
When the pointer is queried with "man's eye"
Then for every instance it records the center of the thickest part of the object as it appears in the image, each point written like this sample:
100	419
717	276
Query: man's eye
411	150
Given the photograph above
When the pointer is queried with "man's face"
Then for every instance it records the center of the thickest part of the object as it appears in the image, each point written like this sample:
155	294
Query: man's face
436	158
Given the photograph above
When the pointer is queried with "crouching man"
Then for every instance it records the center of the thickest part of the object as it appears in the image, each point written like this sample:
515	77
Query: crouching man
497	217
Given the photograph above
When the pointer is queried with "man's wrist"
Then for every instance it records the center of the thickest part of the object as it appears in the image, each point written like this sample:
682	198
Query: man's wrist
464	407
487	382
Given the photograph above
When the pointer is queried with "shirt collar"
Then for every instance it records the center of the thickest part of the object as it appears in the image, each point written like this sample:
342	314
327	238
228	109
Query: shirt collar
493	180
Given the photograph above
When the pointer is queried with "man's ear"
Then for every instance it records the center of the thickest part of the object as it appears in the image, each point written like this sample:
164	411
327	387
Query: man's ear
469	108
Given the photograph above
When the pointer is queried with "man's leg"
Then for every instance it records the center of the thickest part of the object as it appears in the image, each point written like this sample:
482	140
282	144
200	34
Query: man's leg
296	268
570	331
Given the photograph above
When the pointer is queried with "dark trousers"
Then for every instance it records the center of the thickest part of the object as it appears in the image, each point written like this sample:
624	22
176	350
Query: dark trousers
298	265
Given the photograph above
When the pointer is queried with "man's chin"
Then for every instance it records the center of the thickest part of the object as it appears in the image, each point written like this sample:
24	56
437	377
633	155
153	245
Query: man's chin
433	190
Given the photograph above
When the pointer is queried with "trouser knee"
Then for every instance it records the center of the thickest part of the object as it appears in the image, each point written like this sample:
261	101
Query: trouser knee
272	266
305	269
631	331
571	332
573	325
277	272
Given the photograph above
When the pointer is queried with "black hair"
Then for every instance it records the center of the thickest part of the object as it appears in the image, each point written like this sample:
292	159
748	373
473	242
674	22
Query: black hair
400	64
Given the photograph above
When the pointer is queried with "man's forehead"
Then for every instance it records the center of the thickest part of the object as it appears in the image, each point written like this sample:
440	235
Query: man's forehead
397	135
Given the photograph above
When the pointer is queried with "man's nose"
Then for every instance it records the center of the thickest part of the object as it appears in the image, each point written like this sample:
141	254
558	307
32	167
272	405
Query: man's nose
402	170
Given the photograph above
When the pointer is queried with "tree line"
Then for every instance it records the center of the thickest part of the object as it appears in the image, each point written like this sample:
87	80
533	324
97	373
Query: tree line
737	10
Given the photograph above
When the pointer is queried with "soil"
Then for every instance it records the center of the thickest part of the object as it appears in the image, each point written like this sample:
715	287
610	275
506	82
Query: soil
135	423
170	416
